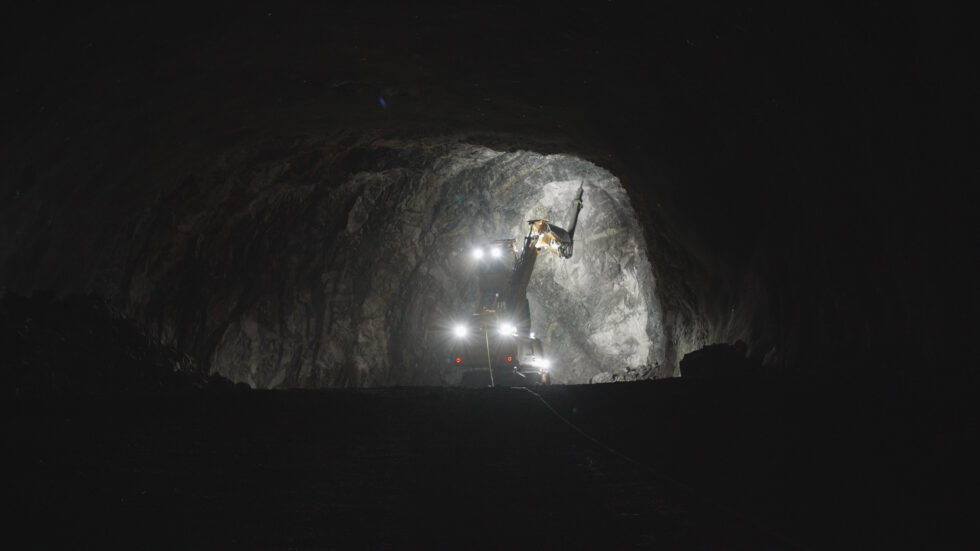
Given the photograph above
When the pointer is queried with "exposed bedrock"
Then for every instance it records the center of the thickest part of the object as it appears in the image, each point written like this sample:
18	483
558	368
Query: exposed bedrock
285	194
355	282
325	264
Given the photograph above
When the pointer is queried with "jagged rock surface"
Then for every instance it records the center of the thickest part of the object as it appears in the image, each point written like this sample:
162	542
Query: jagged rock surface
163	162
295	265
629	374
361	289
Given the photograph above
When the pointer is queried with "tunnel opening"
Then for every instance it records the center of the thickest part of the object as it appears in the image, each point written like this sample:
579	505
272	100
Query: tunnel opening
376	265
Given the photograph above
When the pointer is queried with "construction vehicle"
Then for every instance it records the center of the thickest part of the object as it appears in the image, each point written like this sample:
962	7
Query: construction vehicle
496	345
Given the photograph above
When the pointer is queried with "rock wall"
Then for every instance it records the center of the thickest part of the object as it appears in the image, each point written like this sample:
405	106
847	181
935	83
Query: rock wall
340	264
368	277
182	166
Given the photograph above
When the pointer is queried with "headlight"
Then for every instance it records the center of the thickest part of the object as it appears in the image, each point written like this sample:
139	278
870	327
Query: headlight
477	253
495	252
459	330
507	329
544	364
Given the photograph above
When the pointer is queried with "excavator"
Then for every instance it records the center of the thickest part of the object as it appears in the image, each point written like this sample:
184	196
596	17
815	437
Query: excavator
508	352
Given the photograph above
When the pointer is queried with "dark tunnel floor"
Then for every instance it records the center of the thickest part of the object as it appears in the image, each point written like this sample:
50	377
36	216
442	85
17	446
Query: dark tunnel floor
831	466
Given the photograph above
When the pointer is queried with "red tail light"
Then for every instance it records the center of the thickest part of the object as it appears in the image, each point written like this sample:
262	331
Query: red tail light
510	358
459	360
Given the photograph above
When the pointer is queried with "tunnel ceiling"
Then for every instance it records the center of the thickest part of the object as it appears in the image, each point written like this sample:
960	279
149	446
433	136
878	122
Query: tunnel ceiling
239	179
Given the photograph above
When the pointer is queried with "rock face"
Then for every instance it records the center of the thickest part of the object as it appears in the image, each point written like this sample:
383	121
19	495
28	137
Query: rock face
360	289
629	374
326	269
278	189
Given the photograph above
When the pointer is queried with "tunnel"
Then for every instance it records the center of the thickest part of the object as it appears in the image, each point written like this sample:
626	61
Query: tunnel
316	271
360	277
269	208
293	223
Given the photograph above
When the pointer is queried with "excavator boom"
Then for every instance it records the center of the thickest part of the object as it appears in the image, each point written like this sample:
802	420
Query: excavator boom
503	303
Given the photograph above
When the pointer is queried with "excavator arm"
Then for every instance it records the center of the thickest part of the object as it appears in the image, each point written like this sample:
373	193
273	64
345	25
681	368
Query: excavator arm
556	239
541	235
